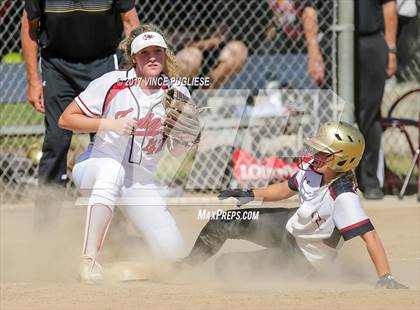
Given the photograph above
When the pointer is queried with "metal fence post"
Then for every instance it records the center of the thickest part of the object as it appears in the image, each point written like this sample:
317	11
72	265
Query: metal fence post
345	29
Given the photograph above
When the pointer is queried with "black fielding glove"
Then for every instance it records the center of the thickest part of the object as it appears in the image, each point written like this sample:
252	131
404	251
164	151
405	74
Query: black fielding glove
243	196
388	281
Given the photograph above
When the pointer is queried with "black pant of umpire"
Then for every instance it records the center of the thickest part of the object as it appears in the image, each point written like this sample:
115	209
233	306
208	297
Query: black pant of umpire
62	81
371	63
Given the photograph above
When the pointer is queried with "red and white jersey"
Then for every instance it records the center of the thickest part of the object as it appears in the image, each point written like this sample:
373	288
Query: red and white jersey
326	217
115	95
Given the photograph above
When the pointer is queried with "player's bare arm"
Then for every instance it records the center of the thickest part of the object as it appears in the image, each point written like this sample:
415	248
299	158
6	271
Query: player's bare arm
130	21
390	21
29	36
379	258
315	60
208	43
275	192
376	252
74	119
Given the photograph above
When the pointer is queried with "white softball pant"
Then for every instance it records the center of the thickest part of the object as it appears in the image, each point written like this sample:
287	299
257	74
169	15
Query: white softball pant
104	179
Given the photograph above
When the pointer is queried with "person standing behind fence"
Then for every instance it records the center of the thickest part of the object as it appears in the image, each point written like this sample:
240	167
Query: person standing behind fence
375	61
213	38
78	41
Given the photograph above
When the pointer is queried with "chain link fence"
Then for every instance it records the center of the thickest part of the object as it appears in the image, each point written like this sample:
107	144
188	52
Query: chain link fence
401	101
263	43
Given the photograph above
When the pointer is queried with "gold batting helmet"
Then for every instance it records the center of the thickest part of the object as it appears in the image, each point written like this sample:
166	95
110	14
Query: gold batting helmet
344	141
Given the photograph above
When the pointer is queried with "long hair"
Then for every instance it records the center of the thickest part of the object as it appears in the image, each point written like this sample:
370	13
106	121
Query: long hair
170	64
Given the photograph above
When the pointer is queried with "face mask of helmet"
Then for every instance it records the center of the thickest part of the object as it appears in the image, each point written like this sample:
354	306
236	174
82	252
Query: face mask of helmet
310	158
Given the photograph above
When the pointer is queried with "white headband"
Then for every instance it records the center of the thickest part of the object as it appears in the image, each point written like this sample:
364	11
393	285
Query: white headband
147	39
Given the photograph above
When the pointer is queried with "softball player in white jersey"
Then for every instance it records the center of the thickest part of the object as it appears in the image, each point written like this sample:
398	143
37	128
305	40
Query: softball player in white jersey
125	109
307	237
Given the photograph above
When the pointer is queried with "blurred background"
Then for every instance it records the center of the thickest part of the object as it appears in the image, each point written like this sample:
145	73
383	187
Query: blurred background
265	44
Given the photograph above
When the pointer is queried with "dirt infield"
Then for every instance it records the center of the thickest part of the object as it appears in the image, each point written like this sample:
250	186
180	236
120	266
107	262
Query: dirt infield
38	269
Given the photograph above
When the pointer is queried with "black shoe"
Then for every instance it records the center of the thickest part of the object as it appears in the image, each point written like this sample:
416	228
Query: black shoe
373	193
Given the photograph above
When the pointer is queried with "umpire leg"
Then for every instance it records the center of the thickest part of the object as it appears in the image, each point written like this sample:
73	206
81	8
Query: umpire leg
63	81
269	230
58	93
370	81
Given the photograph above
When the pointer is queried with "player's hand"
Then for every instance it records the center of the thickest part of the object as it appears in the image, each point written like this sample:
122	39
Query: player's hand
388	281
36	95
124	126
316	67
243	196
391	67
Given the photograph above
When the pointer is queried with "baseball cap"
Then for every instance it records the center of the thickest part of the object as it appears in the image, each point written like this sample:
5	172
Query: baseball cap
147	39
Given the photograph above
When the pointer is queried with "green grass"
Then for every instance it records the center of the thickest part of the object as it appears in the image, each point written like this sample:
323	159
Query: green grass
19	145
19	114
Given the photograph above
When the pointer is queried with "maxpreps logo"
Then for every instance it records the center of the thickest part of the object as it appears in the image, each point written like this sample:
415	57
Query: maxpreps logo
207	215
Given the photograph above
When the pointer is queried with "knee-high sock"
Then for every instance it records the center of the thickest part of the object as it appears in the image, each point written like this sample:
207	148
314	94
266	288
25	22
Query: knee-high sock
98	219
